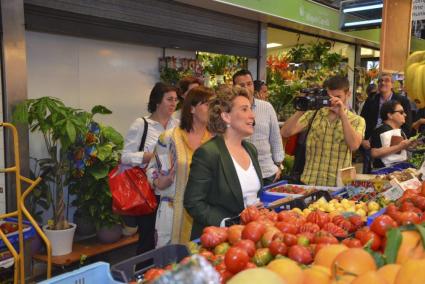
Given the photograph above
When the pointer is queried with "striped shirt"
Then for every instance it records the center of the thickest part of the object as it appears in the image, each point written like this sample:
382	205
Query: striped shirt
266	138
326	149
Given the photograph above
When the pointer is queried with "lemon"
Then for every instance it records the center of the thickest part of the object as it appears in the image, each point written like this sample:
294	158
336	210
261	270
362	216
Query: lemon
344	201
306	211
298	210
361	212
372	206
371	212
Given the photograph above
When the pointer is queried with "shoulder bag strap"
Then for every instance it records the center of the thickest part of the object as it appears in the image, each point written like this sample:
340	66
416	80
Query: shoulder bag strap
310	123
145	132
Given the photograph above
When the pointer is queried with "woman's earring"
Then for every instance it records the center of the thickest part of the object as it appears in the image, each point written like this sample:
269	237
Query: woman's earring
227	125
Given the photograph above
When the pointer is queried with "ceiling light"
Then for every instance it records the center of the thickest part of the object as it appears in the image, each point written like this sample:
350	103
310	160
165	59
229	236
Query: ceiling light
363	8
273	44
361	23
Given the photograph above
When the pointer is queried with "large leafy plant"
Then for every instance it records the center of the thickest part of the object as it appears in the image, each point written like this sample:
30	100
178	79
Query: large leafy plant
60	126
92	157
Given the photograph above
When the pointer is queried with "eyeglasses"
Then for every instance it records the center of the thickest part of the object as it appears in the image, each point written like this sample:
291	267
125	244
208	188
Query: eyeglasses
400	111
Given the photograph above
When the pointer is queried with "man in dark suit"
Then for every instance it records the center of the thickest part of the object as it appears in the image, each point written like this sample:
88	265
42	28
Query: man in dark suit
372	107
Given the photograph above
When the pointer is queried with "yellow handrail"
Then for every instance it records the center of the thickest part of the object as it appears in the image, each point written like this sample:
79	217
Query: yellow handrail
20	200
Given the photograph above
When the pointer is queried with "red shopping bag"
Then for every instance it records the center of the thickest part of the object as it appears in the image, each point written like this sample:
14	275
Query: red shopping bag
131	192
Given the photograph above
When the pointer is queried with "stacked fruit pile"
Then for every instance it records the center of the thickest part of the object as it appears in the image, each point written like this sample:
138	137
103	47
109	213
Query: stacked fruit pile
415	77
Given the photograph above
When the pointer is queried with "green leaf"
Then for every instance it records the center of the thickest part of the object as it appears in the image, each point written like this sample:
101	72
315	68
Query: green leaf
421	230
104	151
394	238
112	135
99	172
378	257
70	131
100	109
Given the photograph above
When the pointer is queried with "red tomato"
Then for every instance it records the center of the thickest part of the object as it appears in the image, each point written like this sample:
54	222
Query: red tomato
318	217
225	276
153	273
300	254
253	231
250	214
286	227
356	221
366	235
221	248
391	210
309	227
335	230
303	241
352	243
235	233
406	206
250	265
278	247
290	239
382	224
323	237
419	201
291	217
236	259
409	218
207	254
248	246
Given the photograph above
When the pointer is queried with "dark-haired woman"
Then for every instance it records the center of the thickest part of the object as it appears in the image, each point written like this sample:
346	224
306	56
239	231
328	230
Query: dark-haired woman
169	169
225	175
162	104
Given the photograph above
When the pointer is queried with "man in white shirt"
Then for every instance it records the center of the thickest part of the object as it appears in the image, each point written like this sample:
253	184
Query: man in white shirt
266	137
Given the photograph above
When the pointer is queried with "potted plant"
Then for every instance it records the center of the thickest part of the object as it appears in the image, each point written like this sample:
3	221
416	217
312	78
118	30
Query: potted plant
93	156
218	65
60	126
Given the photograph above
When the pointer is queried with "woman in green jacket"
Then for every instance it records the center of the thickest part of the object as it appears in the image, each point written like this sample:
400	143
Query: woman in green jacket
225	175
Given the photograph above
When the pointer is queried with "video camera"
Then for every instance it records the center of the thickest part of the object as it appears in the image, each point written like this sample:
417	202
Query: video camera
316	98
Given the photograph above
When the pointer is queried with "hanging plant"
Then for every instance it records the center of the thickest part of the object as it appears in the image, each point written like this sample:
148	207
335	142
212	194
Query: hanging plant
297	54
318	50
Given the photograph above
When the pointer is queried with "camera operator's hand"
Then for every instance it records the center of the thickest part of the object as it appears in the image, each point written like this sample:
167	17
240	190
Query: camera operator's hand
337	106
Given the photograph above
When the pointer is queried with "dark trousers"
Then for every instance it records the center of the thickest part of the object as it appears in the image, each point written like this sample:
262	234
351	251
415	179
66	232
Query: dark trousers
367	160
146	230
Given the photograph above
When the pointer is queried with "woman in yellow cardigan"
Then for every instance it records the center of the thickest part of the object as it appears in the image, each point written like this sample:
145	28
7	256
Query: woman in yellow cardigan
169	169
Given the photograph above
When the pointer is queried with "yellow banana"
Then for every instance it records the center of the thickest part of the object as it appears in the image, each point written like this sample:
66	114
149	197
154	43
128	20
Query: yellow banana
416	56
409	78
421	96
417	86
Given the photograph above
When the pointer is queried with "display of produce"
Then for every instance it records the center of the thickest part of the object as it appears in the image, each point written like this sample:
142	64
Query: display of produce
289	189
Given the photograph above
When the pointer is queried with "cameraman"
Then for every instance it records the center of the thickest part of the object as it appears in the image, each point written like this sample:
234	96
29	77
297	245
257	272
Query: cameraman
334	134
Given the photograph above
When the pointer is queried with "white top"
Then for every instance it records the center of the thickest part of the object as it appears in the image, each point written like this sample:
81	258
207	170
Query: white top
131	154
249	181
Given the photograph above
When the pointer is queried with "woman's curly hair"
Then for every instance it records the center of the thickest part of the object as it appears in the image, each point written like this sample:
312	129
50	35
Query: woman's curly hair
223	102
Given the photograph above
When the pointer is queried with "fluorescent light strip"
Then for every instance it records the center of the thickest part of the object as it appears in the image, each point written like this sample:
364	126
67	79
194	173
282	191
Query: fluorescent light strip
360	23
273	44
363	8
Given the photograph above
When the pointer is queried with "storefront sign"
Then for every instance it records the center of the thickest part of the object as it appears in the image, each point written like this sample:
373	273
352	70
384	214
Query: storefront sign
418	10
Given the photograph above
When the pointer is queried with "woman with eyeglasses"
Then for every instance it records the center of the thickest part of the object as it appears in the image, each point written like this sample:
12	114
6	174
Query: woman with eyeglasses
168	170
388	141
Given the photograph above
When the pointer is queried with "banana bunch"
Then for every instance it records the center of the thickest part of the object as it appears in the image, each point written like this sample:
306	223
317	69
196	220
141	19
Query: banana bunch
414	77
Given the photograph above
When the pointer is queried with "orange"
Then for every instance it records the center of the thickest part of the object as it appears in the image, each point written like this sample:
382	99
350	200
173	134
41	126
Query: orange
345	279
370	277
327	254
411	272
410	248
389	272
316	274
287	269
353	261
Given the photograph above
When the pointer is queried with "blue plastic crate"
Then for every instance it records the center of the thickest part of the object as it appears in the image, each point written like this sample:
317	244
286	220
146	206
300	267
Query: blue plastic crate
371	218
266	197
98	272
13	238
391	169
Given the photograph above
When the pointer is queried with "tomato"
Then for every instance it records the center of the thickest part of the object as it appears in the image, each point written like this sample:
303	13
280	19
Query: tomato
291	217
309	227
300	254
250	214
153	273
318	217
253	231
236	259
406	206
212	236
419	201
352	243
262	257
356	221
217	259
225	276
343	223
278	247
383	223
335	230
303	241
248	246
221	248
268	236
365	235
391	210
235	233
272	216
409	218
290	239
423	189
286	227
207	254
309	236
323	237
250	265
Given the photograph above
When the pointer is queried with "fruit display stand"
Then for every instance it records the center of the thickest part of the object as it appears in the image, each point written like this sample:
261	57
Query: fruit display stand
18	257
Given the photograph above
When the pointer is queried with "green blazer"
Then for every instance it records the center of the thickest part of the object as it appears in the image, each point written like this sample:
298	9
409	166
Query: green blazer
213	191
